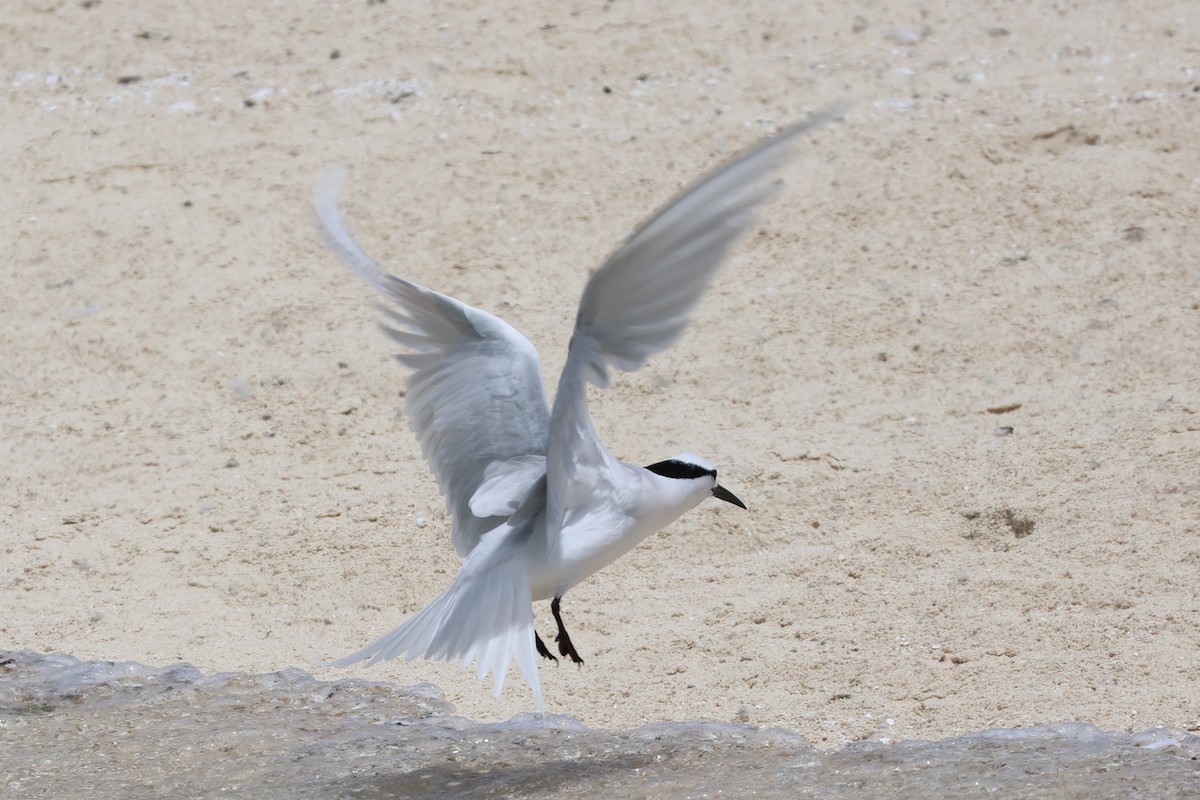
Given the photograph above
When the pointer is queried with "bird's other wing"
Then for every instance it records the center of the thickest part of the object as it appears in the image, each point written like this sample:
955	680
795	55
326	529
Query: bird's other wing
475	396
636	304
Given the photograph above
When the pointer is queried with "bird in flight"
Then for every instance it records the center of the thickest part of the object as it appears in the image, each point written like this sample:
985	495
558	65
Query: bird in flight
537	502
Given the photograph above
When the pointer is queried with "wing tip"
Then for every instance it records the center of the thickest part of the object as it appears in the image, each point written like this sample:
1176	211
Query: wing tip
331	226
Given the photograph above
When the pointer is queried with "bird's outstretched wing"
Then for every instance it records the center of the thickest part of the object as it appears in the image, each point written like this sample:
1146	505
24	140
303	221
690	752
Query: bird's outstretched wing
636	304
475	395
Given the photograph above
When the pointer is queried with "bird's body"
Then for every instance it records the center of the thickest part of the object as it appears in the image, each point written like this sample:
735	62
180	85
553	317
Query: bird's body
537	502
633	503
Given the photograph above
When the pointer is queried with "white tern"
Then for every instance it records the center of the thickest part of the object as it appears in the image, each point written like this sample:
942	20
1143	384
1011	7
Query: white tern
536	500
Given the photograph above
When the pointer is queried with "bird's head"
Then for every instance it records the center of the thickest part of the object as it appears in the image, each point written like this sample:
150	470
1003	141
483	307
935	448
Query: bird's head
689	467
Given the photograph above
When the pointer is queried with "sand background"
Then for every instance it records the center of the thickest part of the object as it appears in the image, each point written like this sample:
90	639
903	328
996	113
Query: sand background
202	456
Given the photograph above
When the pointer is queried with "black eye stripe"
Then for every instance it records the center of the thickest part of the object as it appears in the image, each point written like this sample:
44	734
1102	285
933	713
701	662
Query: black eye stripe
672	468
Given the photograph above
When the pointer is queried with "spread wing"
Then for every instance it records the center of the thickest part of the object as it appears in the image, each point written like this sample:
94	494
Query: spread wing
637	303
475	395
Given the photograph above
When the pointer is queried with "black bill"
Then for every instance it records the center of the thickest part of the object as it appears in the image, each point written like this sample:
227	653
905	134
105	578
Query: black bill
721	493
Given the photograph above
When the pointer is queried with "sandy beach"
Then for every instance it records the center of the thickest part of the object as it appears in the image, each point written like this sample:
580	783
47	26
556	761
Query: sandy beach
954	372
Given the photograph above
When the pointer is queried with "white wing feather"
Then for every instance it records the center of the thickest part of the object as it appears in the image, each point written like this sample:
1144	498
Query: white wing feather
637	303
475	397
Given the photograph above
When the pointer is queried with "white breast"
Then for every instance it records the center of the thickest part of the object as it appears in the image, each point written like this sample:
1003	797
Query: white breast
634	505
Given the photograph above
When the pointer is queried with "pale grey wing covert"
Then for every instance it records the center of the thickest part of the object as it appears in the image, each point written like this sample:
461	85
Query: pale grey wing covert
636	304
475	397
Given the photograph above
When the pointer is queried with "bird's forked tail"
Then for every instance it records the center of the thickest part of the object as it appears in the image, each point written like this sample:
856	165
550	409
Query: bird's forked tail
486	616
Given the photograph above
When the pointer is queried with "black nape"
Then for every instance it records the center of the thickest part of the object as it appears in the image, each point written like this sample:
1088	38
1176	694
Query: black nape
674	468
